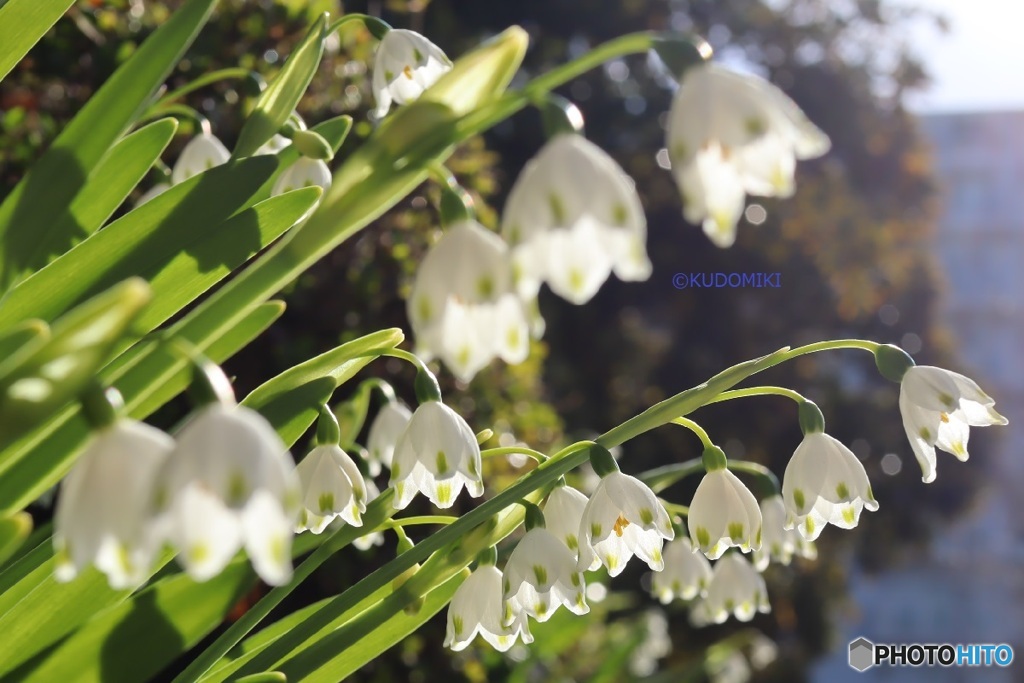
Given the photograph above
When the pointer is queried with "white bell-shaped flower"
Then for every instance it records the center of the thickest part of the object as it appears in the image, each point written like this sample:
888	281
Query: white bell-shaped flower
572	218
101	515
332	486
462	306
229	483
202	153
724	514
304	172
938	408
736	588
436	455
387	426
478	608
406	64
623	518
686	574
563	511
779	544
541	574
824	483
374	538
732	134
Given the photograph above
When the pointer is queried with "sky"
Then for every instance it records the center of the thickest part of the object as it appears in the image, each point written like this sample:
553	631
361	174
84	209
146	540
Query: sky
979	64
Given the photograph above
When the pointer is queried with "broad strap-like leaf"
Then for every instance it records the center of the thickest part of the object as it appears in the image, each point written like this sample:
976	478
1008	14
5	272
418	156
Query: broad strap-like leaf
39	461
144	242
115	177
30	212
278	101
22	24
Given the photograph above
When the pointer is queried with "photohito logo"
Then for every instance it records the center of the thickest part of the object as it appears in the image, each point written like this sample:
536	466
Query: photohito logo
864	654
726	280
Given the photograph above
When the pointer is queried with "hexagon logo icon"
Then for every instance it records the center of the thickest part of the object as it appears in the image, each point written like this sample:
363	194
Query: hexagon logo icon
862	654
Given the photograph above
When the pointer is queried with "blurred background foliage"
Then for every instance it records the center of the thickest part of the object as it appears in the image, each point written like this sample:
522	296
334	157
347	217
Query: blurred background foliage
851	247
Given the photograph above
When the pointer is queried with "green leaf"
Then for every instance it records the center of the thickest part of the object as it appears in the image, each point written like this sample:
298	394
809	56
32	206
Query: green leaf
37	204
292	400
135	639
371	634
44	375
157	235
14	338
114	178
13	532
278	101
39	462
22	24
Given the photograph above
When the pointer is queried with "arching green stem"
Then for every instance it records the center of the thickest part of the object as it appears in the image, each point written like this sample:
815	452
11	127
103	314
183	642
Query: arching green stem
513	450
757	391
695	428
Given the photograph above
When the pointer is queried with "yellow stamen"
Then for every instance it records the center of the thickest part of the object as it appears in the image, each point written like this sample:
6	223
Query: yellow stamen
620	525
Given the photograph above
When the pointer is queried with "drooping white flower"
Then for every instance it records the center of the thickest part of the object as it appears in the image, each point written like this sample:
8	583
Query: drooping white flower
736	588
573	216
724	514
686	573
623	518
824	483
374	538
304	172
332	486
436	455
563	511
229	483
387	426
478	608
541	574
202	153
462	306
406	64
938	408
101	514
732	134
779	544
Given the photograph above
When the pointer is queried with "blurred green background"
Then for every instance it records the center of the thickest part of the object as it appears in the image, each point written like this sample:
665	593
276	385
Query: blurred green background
854	239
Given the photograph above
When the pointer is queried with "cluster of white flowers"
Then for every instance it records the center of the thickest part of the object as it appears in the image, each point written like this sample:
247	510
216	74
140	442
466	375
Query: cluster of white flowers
574	217
226	482
546	569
